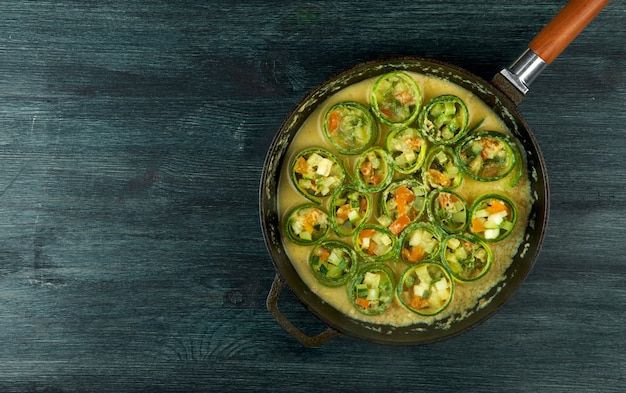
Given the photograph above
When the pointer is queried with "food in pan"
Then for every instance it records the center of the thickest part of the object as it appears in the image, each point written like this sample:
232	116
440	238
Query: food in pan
444	119
350	127
372	289
333	262
431	208
425	289
317	173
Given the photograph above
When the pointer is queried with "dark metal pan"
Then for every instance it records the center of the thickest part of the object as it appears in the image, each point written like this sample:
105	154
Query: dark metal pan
503	93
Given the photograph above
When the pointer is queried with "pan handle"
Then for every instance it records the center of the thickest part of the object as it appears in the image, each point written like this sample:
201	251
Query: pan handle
306	340
565	26
547	45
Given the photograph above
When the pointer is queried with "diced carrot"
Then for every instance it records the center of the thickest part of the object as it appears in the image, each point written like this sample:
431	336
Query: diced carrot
415	143
496	206
363	204
343	211
414	255
444	200
375	179
333	121
366	168
404	97
301	166
399	224
418	303
403	197
371	250
477	225
367	233
325	253
311	219
362	302
439	178
386	111
308	227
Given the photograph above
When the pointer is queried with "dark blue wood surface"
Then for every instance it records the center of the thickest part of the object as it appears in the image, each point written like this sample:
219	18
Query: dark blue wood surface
132	139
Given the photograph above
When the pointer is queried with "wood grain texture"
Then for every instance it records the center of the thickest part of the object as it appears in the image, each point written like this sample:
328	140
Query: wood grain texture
132	139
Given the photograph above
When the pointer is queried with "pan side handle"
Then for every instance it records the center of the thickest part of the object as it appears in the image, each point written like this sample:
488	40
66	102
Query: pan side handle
306	340
546	46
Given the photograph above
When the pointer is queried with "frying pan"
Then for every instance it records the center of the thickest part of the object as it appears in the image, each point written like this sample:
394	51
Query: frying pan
503	93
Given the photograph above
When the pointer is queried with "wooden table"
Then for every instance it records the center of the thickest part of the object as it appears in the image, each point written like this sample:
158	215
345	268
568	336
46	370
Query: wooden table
132	139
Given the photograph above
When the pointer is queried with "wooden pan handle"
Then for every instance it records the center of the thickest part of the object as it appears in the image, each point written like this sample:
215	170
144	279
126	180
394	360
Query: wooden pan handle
565	26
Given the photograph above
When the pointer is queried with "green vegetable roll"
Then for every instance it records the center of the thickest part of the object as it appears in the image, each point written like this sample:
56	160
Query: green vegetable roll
444	119
425	289
407	148
441	170
306	224
493	217
373	170
375	242
402	202
420	242
396	98
349	209
371	291
467	257
317	173
350	127
447	210
486	156
333	262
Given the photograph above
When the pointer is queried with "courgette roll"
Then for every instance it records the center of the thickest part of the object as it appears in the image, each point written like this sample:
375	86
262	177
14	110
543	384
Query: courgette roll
375	243
420	242
349	208
467	257
493	217
401	203
371	291
444	119
441	169
407	148
350	127
317	173
373	170
486	156
425	288
333	262
396	98
447	210
307	224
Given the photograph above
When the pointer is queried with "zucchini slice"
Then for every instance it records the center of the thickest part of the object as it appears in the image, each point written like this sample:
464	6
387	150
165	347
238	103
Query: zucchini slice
493	217
486	156
317	173
444	119
407	148
371	291
425	289
307	224
333	262
373	170
396	98
441	170
420	242
467	257
350	127
402	202
447	210
375	243
349	209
